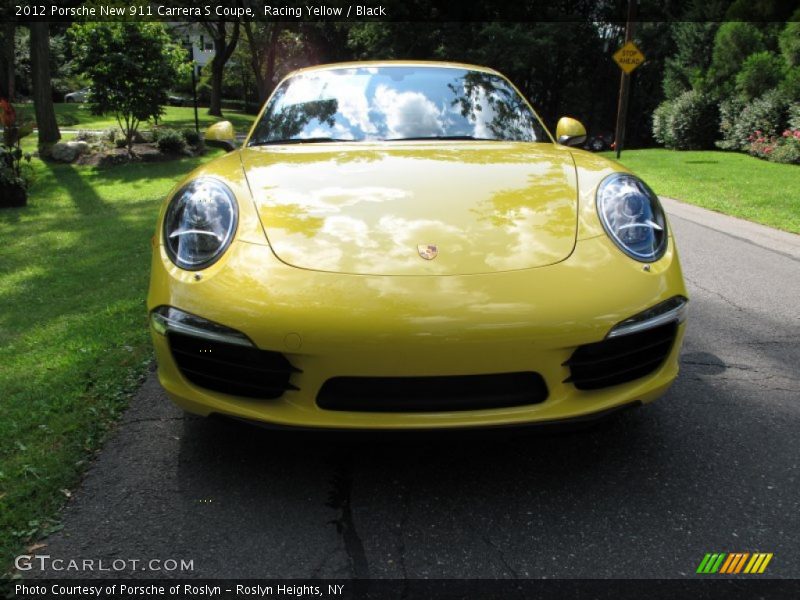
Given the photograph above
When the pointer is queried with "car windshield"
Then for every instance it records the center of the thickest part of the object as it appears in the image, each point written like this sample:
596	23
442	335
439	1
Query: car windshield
391	103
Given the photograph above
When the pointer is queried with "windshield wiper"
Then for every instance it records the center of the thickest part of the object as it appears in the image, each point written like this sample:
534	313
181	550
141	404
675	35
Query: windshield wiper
444	137
310	140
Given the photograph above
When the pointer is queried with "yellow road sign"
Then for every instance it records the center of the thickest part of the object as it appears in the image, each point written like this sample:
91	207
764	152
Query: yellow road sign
628	57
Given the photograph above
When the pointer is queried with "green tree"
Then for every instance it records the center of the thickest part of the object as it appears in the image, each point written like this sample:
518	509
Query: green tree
734	42
557	66
760	72
684	70
789	41
131	66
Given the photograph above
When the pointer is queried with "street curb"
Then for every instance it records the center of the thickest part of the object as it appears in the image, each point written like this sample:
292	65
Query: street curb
769	238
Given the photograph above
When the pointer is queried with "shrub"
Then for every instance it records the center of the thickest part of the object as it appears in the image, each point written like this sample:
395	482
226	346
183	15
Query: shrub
787	153
695	121
690	122
170	141
88	136
767	114
192	137
794	115
729	111
112	134
662	132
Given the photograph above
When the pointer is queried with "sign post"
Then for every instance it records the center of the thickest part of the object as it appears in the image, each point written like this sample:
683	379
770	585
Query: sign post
628	58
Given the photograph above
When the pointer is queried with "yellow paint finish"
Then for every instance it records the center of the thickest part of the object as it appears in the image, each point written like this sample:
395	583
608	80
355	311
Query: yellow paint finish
417	325
325	268
220	132
364	208
570	131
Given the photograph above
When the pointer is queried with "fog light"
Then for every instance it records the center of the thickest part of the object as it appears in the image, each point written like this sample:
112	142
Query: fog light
668	311
166	318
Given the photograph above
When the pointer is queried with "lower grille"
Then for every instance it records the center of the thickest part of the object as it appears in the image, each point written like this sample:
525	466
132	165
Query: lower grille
432	394
621	359
232	369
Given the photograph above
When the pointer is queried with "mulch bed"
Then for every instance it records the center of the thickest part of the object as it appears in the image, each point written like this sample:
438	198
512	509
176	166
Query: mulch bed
147	152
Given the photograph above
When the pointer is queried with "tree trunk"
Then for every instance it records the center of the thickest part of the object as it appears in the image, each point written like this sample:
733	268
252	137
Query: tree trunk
215	105
40	77
7	61
222	52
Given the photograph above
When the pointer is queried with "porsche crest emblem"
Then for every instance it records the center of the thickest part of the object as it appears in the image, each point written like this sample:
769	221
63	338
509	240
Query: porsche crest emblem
428	251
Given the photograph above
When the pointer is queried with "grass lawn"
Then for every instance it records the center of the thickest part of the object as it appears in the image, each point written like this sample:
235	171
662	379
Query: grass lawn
74	266
178	117
727	182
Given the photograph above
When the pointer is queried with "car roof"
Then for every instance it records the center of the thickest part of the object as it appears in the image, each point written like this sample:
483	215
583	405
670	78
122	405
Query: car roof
394	63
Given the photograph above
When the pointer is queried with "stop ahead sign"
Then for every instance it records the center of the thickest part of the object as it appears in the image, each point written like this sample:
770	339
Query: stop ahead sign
628	57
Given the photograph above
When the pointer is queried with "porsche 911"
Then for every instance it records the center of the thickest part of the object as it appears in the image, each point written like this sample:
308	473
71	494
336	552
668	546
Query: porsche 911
404	245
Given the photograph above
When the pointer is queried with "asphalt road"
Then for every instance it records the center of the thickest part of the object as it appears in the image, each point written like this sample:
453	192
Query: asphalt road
711	467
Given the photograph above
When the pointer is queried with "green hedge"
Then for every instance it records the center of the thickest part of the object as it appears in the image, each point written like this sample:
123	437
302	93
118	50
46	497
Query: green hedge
689	122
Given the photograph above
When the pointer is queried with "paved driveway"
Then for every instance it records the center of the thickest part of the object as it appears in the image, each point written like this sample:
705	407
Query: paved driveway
712	466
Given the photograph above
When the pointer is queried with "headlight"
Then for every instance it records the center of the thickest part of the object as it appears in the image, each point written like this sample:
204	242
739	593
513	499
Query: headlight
632	216
200	223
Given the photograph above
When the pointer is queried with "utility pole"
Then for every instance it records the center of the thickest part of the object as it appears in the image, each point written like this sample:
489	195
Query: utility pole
190	47
624	84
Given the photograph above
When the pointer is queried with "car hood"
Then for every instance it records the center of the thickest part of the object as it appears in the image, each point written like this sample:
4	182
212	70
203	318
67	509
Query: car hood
415	209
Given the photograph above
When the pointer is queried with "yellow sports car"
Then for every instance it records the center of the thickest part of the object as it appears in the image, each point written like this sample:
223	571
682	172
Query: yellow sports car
403	245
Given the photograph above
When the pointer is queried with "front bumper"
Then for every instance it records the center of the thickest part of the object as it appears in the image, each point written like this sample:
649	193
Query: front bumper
336	325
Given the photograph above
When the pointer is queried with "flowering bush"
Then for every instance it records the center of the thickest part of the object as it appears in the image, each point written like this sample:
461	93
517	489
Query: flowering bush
767	114
11	155
784	148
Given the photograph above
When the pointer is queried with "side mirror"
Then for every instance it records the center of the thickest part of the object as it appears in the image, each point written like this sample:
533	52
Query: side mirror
570	132
221	135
